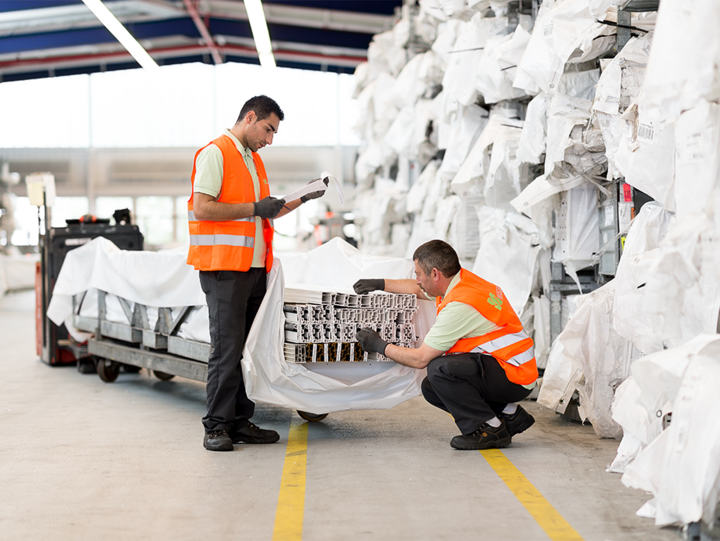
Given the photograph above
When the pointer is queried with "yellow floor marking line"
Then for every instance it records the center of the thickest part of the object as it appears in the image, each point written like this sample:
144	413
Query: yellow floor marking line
555	526
291	501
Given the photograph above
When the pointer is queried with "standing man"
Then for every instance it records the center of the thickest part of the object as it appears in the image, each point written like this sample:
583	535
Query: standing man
479	360
231	232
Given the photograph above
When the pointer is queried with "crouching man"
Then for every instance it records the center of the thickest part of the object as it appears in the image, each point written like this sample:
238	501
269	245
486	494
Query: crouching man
479	360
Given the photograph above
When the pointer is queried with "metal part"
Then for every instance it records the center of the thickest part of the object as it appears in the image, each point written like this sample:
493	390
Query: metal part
151	360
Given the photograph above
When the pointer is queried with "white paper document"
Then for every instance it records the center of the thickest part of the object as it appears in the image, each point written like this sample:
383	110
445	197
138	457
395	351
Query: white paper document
317	186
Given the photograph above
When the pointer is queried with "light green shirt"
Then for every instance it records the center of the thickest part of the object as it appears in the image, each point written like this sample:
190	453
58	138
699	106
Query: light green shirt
458	320
208	180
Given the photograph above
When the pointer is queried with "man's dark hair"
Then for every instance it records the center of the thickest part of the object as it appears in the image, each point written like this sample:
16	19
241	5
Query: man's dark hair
263	107
437	254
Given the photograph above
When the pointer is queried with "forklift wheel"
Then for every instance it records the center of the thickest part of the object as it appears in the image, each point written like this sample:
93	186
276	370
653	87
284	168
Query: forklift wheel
107	370
312	417
163	376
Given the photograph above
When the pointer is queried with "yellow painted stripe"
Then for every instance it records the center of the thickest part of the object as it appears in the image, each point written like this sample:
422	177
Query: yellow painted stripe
555	526
291	502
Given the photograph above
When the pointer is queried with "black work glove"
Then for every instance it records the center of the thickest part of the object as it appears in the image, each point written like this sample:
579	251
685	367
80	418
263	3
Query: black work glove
369	284
314	195
268	207
371	341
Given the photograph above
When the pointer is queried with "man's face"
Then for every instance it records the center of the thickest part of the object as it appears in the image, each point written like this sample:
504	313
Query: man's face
425	281
260	132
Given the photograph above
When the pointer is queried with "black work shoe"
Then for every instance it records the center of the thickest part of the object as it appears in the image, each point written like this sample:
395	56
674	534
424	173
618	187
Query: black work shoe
486	437
217	440
253	434
518	422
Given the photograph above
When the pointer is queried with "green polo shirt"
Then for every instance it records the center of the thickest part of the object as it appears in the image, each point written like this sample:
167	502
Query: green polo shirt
208	180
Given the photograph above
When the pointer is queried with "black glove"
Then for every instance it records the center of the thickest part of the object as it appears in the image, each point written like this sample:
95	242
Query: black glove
369	284
371	341
268	207
314	195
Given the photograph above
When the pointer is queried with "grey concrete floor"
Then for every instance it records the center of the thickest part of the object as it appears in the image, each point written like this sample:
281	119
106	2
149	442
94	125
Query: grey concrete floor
82	459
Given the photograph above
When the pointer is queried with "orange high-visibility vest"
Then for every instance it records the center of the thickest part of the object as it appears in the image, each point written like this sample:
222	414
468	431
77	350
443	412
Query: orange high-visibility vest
228	245
509	345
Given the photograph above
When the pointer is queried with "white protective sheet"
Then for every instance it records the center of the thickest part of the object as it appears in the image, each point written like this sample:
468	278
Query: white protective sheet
681	467
508	250
320	387
683	65
163	279
566	32
159	279
641	327
601	355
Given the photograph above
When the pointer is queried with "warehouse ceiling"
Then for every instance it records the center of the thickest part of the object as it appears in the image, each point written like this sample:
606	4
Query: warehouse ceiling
47	38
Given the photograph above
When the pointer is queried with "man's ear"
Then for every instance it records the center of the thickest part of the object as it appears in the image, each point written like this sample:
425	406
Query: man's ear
250	116
435	275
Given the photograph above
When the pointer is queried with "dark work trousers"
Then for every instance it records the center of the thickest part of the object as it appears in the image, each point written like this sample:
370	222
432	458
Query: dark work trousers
471	387
233	299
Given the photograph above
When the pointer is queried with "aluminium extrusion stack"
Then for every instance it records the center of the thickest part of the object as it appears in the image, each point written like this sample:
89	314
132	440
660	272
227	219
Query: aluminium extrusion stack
321	326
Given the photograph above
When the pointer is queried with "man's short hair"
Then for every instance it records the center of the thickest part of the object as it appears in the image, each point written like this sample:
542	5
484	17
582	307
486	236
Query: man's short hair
263	108
437	254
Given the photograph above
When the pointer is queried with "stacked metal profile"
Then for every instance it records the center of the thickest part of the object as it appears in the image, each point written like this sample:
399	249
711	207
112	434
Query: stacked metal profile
321	326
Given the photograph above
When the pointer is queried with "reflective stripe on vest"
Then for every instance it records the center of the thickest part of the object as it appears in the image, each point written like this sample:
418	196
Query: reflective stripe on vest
230	244
509	344
191	218
222	240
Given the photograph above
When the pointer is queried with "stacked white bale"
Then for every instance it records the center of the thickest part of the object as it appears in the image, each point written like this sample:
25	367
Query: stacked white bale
650	116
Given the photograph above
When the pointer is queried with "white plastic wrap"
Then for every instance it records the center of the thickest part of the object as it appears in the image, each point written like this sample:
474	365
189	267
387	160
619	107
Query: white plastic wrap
641	327
601	355
681	467
498	66
321	387
469	124
567	32
534	133
508	250
683	65
577	237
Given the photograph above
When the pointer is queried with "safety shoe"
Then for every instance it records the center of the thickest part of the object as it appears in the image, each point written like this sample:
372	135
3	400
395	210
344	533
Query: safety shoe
518	422
486	437
250	433
217	440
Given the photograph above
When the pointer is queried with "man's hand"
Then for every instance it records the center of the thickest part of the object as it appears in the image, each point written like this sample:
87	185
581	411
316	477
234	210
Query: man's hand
268	207
371	341
369	284
314	195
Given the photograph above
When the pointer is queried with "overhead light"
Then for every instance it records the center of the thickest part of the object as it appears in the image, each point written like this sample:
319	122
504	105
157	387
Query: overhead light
258	24
121	34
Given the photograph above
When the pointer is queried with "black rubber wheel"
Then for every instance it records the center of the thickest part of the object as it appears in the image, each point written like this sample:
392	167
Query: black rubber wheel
163	376
108	370
312	417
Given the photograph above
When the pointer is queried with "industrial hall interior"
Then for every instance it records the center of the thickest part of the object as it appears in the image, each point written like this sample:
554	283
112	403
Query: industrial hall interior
339	270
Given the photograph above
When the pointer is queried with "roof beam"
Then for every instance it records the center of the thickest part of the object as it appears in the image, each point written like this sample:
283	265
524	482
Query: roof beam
204	32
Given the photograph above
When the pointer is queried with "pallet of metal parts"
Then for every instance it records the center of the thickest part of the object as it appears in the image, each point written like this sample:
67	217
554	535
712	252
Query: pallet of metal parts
332	352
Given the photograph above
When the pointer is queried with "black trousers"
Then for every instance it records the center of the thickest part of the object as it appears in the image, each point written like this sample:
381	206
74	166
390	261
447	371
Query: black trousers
471	387
233	300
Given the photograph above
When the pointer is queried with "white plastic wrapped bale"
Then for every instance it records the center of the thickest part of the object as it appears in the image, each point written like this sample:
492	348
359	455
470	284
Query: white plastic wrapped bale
533	138
375	212
683	287
641	249
645	156
618	87
467	53
683	64
493	153
568	32
681	467
462	133
600	359
498	66
507	255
